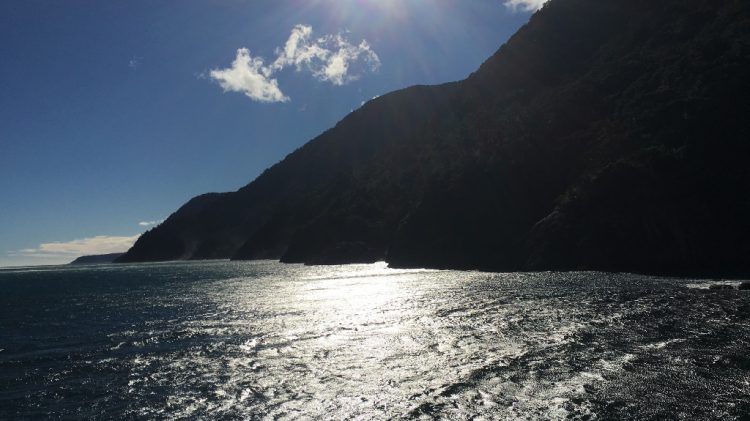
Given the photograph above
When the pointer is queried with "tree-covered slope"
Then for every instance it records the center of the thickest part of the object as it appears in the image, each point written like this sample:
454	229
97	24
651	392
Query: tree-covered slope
605	134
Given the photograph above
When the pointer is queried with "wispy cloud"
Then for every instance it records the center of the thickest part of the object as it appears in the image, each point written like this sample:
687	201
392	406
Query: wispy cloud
101	244
524	5
150	223
135	62
330	58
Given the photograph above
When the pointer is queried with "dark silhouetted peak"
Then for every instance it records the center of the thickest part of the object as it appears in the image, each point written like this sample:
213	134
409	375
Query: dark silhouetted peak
605	134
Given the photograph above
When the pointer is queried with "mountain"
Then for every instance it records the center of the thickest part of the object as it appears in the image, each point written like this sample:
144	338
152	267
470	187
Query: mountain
605	134
96	259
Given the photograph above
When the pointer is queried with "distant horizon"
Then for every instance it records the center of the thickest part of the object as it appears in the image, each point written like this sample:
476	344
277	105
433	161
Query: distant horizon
126	111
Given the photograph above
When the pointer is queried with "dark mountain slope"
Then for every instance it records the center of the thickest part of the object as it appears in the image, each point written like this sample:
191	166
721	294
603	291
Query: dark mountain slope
292	191
97	259
604	135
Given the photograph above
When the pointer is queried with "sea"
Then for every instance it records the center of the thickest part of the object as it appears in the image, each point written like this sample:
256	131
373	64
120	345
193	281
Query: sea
264	340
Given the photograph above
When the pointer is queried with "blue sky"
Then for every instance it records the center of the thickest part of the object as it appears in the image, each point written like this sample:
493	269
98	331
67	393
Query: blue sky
114	113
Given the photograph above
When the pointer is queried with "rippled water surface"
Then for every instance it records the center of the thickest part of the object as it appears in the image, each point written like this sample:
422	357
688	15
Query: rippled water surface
265	340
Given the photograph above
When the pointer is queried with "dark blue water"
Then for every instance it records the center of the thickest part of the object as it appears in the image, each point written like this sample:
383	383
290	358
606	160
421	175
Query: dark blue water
235	340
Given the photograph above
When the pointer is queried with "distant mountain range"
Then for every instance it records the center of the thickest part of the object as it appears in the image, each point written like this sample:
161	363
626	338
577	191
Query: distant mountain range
606	135
97	259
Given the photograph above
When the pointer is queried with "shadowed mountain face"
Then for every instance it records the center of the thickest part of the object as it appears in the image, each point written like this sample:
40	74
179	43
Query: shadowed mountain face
606	135
96	259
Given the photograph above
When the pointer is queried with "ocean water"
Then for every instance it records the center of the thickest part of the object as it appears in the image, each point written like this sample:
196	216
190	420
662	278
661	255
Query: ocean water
263	340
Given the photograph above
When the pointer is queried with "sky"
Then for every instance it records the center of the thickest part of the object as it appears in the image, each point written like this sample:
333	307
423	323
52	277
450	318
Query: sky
115	113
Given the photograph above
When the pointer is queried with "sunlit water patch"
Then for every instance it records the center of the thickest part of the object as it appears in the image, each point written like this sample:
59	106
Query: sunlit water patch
266	340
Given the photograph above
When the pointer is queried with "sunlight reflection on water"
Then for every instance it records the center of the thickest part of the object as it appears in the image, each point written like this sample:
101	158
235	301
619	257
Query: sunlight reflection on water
262	339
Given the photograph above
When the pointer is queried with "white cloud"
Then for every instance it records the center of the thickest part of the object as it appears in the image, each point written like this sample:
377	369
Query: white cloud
298	50
524	5
331	58
150	223
249	76
101	244
338	65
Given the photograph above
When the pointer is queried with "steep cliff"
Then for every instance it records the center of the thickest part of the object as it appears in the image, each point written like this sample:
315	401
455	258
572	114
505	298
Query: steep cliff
603	135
